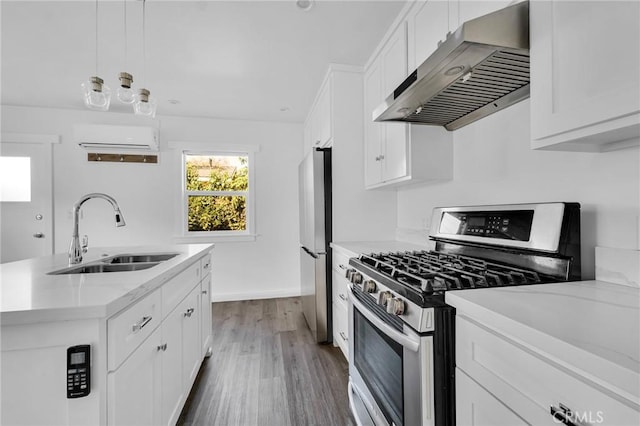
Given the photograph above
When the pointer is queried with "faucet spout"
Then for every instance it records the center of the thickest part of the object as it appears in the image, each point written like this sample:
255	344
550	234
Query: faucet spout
75	249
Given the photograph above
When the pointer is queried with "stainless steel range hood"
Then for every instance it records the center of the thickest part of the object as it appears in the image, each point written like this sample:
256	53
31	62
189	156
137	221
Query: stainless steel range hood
481	68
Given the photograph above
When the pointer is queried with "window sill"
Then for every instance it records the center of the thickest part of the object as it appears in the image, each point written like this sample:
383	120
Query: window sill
188	239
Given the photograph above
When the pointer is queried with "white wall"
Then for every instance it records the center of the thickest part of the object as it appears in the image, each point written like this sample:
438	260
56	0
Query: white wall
149	195
493	164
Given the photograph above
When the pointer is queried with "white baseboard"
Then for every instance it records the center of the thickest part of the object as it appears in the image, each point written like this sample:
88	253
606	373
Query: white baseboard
271	294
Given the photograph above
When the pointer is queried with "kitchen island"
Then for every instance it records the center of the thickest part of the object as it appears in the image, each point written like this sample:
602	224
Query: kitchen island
148	331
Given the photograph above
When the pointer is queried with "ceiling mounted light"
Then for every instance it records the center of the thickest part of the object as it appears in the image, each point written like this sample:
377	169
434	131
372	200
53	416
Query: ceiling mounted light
144	104
97	95
125	94
305	5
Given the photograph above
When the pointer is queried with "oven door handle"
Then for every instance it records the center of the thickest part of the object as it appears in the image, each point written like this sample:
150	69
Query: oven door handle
392	333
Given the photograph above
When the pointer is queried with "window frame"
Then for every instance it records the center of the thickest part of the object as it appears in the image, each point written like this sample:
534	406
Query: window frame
232	235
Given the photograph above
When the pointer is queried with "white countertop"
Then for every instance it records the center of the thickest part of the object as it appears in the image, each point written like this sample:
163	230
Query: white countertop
589	327
363	247
28	294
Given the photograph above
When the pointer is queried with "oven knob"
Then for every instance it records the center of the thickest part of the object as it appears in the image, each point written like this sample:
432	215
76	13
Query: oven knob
349	273
356	278
384	297
395	306
369	286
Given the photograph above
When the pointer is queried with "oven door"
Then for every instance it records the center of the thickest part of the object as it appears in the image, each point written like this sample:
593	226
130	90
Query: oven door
390	370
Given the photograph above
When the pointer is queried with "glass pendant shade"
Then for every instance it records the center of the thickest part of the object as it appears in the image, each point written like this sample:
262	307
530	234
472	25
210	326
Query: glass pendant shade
125	94
97	95
145	104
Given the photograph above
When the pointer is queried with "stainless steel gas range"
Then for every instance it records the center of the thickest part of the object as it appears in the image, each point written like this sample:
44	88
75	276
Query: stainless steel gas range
402	333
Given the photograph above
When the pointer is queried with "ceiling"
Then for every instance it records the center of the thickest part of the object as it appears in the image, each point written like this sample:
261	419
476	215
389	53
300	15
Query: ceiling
254	60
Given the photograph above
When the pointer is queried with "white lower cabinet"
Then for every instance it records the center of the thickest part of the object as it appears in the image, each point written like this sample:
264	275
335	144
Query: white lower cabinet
134	389
205	310
181	356
151	386
479	408
498	381
340	293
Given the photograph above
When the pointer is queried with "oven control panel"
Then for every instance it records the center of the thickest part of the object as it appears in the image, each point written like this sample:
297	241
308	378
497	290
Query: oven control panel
510	225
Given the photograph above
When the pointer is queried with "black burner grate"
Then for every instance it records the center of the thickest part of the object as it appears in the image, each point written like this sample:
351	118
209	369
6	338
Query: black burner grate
434	272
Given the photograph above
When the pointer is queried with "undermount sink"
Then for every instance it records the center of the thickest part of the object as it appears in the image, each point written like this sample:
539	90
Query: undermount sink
118	263
97	268
136	258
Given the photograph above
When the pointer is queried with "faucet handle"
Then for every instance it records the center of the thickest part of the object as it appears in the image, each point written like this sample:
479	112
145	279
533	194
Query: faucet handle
85	243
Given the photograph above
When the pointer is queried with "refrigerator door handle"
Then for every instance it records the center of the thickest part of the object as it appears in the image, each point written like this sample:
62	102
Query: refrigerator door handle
309	252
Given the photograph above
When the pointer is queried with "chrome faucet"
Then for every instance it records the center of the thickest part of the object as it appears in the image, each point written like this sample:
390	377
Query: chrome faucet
75	249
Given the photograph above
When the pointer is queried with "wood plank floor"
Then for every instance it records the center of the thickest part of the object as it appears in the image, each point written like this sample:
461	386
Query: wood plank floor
267	370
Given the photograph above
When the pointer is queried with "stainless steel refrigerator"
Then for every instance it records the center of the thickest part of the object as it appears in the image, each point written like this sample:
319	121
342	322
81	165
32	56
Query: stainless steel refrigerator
315	235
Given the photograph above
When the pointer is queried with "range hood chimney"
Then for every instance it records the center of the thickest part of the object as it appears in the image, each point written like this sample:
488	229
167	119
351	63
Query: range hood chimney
481	68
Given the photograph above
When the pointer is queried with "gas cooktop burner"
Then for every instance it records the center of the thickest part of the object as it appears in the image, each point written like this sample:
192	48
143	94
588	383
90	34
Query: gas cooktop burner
433	272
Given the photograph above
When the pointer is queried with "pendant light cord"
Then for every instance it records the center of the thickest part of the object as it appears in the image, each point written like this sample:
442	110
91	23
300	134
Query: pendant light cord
96	37
124	9
144	43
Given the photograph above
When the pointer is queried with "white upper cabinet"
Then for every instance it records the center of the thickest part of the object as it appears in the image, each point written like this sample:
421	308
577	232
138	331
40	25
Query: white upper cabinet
373	131
428	24
585	75
398	153
471	9
319	125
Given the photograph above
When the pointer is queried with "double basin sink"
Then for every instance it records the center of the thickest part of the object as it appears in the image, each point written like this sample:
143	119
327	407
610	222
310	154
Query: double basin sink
118	263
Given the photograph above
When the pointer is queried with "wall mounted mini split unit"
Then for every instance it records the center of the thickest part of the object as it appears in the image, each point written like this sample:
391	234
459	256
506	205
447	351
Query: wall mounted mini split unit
111	137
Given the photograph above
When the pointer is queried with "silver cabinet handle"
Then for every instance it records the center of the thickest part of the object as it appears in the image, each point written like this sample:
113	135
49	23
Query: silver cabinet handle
341	266
343	297
162	347
38	235
206	265
138	326
204	291
344	336
189	312
563	414
381	157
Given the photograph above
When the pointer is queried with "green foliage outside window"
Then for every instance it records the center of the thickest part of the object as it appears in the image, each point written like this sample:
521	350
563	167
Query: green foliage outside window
226	177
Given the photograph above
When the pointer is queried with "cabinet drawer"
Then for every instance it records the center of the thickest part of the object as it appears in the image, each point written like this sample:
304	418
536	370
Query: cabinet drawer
340	262
341	328
340	288
178	287
129	329
529	384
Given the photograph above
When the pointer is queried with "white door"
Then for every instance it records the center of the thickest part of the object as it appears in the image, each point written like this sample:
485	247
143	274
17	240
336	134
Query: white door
25	213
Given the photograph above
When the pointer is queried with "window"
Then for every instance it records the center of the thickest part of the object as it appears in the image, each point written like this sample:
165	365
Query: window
217	190
15	179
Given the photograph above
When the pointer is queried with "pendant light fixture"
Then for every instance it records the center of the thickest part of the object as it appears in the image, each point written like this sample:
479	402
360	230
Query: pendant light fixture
144	104
125	93
97	95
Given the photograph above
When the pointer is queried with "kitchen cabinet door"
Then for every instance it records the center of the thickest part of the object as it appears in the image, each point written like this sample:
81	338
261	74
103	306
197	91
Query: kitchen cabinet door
585	63
471	9
476	406
373	130
134	390
191	339
393	61
427	25
173	391
322	130
205	314
319	125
